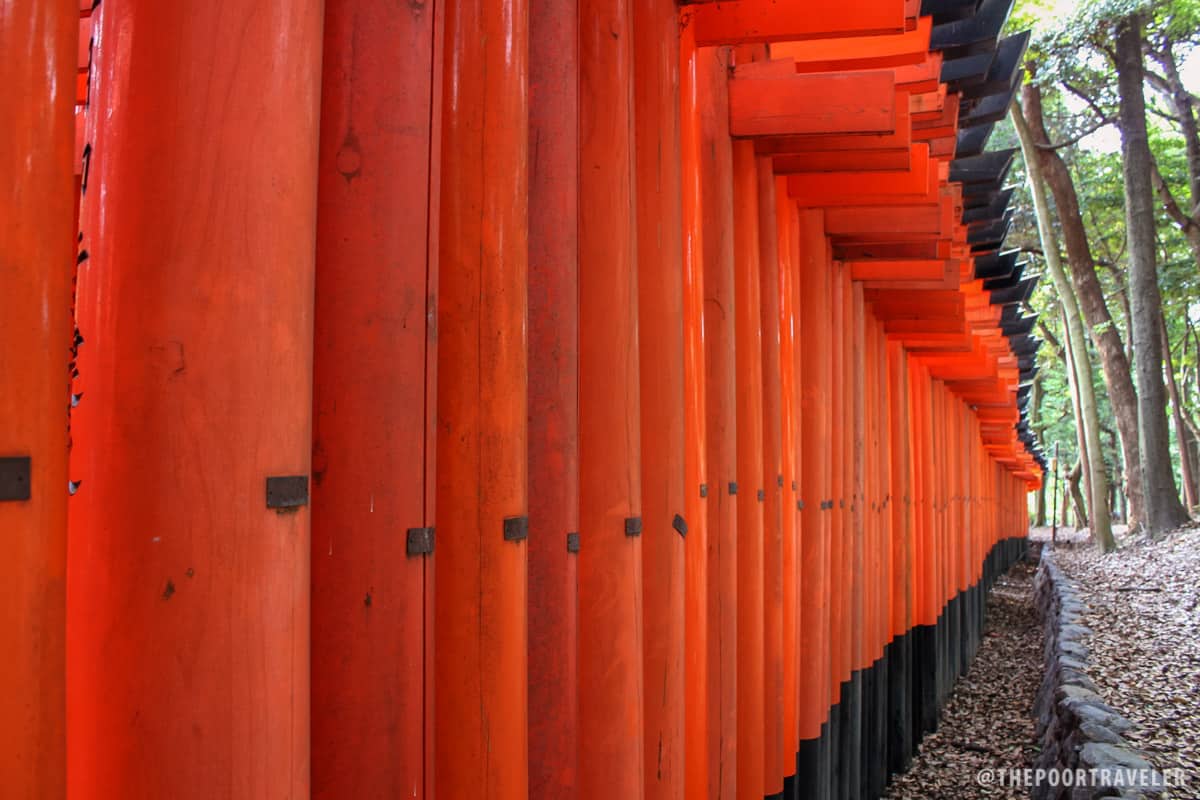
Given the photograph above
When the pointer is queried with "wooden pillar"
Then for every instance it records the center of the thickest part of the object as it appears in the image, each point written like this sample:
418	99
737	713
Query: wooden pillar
942	557
871	582
854	469
721	428
553	399
661	349
373	415
610	560
839	619
814	446
922	615
696	488
37	231
188	622
900	741
750	483
774	709
829	489
790	365
884	497
482	457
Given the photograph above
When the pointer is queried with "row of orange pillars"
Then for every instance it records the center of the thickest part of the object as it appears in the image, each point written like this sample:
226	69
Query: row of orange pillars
499	398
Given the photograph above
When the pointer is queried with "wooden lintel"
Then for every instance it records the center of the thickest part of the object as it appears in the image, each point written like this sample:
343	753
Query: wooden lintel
852	188
790	105
862	52
901	137
913	269
899	158
884	221
744	21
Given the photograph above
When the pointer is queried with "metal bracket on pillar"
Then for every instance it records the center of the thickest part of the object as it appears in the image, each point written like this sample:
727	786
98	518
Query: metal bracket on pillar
15	478
680	524
85	161
286	492
572	542
420	541
704	490
633	526
516	529
733	487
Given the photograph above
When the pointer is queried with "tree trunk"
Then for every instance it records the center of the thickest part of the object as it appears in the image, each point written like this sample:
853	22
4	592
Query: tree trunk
1114	360
1171	85
1081	418
1187	224
1181	432
1073	480
1163	509
1035	405
1189	448
1066	504
1088	420
1181	102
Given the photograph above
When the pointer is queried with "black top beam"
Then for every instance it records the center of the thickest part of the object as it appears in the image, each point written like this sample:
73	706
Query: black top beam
989	109
1005	67
981	28
983	168
972	141
995	208
991	265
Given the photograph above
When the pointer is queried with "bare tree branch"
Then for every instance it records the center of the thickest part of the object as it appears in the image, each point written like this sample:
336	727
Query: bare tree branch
1158	112
1085	97
1075	139
1184	220
1049	336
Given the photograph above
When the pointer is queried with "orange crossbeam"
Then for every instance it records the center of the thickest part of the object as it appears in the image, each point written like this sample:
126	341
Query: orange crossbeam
783	105
861	52
743	21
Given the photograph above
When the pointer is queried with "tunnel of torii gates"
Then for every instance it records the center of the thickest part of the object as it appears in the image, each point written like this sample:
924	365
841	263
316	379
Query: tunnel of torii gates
500	398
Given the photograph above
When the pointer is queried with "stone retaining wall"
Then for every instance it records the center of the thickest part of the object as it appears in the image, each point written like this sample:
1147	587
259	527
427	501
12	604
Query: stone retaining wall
1080	735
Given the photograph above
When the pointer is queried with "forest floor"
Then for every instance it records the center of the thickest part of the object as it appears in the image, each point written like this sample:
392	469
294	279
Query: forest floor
986	725
1143	608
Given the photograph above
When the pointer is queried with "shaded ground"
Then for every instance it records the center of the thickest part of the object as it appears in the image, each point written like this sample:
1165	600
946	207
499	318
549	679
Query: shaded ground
986	725
1143	607
1068	536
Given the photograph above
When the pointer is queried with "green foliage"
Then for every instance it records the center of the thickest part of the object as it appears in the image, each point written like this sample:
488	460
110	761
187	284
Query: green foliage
1070	58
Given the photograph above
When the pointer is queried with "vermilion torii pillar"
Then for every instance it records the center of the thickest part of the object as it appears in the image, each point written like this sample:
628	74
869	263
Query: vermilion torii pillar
188	623
611	712
374	420
696	490
481	717
791	360
554	399
660	340
716	193
770	306
814	337
37	201
750	478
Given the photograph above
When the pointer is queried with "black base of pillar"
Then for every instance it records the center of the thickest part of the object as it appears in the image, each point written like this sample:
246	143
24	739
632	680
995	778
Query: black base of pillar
884	711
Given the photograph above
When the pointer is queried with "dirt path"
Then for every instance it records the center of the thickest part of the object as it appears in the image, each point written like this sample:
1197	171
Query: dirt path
986	725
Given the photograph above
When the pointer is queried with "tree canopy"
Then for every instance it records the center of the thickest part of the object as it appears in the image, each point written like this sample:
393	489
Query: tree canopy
1072	63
